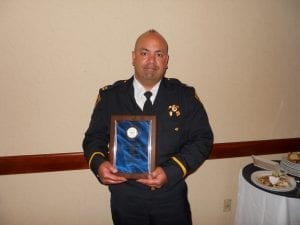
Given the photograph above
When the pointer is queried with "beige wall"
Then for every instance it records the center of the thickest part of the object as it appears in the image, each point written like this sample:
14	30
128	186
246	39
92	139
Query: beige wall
241	56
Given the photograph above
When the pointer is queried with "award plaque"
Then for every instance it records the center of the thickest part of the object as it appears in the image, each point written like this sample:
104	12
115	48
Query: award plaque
132	145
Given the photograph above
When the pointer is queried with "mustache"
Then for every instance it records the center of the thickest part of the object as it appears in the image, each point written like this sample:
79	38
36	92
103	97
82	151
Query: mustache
150	66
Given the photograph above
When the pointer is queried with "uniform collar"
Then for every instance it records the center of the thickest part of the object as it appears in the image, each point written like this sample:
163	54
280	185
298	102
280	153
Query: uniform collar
139	90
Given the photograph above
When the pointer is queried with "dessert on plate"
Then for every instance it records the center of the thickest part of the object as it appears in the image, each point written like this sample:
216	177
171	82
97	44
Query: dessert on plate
294	157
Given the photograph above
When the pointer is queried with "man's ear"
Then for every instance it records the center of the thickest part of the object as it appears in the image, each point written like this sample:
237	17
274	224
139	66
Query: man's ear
167	62
133	57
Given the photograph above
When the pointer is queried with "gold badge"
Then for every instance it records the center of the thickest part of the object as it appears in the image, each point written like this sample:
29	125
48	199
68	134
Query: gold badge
174	110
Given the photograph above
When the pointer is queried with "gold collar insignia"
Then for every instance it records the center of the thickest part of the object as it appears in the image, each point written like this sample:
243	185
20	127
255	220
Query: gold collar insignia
174	110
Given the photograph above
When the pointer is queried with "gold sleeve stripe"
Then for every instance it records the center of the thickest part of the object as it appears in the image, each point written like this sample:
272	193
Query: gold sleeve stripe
180	165
94	154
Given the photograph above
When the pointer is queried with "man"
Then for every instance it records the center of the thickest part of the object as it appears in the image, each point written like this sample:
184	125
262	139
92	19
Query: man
183	139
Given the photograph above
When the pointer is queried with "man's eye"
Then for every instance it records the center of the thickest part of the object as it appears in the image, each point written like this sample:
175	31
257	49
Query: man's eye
160	55
143	53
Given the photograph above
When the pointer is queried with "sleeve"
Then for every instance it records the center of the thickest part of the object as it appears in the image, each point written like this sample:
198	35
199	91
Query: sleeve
95	143
197	147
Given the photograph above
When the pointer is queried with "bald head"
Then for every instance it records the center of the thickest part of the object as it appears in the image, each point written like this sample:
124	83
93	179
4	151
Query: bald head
151	32
150	58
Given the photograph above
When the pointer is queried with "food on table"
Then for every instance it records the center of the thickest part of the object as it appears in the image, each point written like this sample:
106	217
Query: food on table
281	183
294	157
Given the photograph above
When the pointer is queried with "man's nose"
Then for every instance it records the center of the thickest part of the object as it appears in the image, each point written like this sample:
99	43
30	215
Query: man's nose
151	58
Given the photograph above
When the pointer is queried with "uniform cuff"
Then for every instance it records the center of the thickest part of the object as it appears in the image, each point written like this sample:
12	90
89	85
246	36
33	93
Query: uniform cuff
174	174
95	161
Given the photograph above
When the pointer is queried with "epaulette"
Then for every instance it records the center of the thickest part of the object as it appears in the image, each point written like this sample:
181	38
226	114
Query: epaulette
105	88
119	82
178	82
174	80
108	87
111	86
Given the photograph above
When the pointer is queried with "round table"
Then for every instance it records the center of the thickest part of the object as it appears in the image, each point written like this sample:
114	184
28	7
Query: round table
257	206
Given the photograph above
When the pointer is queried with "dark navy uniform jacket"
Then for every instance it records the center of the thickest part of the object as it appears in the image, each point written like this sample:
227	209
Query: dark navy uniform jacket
184	136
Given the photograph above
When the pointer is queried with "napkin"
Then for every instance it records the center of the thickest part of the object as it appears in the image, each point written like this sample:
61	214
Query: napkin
265	163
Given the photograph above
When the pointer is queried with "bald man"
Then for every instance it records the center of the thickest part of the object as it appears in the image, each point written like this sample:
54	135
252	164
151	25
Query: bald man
183	139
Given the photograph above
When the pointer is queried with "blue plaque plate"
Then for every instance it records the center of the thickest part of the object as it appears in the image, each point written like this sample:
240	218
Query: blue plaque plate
132	145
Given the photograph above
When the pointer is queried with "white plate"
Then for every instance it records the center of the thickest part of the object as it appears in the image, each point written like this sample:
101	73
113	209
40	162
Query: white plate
290	169
295	166
257	174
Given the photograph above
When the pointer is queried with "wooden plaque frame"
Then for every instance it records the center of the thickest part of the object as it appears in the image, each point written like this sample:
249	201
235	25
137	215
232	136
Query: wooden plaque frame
132	145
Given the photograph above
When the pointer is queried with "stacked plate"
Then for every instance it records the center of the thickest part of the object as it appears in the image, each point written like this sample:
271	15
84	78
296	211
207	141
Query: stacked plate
290	167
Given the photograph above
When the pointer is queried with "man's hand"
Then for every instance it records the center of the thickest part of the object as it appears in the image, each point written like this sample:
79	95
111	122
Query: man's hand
107	174
156	179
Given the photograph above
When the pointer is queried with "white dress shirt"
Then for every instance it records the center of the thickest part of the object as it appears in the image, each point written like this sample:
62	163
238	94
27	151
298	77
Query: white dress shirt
139	91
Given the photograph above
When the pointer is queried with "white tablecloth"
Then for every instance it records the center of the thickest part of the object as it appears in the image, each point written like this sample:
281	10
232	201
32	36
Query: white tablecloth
258	207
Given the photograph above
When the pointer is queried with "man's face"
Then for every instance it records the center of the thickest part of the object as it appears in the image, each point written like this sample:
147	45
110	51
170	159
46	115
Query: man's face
150	59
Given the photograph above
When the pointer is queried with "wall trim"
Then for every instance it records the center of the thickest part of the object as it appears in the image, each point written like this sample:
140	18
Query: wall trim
20	164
